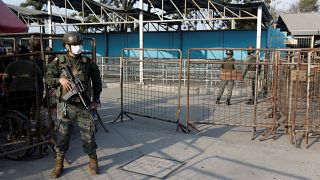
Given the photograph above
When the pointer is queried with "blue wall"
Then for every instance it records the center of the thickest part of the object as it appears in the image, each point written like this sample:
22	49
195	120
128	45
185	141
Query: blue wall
276	38
101	43
111	44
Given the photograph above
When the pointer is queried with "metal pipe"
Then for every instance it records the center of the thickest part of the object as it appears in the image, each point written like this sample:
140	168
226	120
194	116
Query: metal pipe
24	148
49	7
141	45
179	89
259	23
308	98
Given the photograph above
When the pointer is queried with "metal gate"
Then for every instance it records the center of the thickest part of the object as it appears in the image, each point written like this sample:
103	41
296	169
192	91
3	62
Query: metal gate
286	87
151	83
205	79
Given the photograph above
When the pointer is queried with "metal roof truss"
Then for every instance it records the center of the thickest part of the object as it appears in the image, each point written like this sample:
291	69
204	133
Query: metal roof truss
162	14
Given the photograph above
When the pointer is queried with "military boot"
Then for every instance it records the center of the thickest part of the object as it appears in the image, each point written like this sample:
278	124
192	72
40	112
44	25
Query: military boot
218	101
250	102
228	102
58	167
93	165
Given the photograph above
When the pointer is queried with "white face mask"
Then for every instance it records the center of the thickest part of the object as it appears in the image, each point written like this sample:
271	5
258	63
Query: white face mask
76	49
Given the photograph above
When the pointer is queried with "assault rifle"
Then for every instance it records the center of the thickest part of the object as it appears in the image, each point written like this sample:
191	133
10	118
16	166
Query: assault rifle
77	89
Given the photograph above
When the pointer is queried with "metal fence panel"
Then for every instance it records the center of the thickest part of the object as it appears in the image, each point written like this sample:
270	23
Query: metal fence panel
109	69
205	78
150	87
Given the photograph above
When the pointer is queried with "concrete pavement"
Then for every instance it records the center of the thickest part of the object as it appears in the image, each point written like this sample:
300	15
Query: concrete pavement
219	152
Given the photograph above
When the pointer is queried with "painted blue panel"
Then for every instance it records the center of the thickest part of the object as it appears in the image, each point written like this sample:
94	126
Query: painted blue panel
101	43
162	40
111	44
153	53
118	41
220	39
276	38
57	45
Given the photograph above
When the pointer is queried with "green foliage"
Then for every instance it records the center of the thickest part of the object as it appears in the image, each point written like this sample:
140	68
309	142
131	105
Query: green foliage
37	5
308	6
91	18
124	4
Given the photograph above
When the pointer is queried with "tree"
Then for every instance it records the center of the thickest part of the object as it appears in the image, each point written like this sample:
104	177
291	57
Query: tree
37	5
268	3
124	4
308	6
293	9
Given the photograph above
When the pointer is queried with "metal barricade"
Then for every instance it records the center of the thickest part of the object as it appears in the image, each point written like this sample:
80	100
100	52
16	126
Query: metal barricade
25	125
205	79
306	117
109	69
313	101
150	86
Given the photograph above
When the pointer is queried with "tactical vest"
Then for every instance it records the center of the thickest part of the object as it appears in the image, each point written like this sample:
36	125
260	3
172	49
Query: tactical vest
228	66
80	70
252	59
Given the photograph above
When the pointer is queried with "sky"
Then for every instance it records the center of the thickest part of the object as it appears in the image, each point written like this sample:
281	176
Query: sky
13	2
282	5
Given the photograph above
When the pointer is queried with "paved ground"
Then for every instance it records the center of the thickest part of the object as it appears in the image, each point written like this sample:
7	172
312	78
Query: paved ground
217	152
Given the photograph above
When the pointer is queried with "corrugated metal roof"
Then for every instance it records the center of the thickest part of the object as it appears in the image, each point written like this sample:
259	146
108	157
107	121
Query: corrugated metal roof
168	7
94	6
249	6
40	14
300	24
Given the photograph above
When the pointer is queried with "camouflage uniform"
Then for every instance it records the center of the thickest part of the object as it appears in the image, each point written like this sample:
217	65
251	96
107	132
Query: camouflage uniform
73	109
250	76
226	83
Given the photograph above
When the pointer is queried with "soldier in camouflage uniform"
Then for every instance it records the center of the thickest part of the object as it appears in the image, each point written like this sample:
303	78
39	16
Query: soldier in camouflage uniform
250	75
226	83
73	110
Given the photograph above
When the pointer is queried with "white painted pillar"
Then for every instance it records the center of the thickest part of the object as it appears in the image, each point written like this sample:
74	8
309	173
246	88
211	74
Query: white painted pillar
233	22
49	21
141	39
259	23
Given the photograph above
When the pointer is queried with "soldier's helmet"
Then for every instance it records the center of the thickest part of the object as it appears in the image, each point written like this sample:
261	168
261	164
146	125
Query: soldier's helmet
250	50
229	52
72	38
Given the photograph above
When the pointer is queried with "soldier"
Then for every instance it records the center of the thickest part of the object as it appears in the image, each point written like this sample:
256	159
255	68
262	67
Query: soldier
3	65
34	46
250	75
73	109
20	79
226	83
